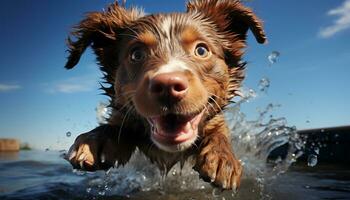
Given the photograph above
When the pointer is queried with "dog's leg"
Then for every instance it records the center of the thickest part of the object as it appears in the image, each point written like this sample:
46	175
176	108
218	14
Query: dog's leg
100	148
215	161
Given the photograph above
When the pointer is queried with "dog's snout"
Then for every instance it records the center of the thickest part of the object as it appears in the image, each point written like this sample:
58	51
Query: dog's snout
171	85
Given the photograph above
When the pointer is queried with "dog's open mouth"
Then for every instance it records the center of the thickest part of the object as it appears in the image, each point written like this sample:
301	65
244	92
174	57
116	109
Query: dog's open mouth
173	129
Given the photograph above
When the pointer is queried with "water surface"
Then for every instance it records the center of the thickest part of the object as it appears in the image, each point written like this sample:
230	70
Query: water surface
45	175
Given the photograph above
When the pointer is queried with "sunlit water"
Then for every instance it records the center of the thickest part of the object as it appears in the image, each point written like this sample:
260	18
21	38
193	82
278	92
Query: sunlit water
45	175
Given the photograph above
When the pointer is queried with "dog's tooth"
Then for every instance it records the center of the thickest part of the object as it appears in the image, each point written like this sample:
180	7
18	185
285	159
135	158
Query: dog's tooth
193	126
188	127
157	127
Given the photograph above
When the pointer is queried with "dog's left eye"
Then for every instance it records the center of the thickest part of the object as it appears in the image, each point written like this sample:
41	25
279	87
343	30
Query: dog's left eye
201	51
137	55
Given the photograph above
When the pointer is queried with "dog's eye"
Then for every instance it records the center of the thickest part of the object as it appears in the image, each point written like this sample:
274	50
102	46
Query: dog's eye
137	55
201	50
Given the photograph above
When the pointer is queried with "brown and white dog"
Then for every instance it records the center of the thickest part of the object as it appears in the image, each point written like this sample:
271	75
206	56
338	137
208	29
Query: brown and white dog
171	76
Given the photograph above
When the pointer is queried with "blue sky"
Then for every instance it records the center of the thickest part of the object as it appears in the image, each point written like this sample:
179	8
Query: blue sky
40	101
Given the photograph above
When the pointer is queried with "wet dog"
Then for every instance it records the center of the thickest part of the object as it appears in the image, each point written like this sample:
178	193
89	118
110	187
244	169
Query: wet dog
170	77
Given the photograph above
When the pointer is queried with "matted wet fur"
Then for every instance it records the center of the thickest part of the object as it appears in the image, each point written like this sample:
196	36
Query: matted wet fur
170	76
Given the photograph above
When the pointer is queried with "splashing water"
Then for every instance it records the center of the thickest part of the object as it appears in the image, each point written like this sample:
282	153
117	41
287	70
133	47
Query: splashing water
102	112
252	142
264	84
312	160
273	57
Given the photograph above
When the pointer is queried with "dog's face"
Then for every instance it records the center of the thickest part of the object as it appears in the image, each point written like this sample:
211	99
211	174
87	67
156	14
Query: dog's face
174	70
170	66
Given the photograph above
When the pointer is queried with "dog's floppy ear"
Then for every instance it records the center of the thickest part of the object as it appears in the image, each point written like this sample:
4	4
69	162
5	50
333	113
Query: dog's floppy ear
230	16
97	29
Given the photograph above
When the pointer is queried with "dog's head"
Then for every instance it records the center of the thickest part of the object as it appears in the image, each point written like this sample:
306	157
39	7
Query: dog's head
175	70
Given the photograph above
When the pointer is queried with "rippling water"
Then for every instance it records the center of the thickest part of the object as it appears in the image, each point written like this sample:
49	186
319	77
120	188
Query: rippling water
44	175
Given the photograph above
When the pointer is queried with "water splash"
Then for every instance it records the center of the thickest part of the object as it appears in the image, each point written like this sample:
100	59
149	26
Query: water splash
102	112
253	141
312	160
264	84
274	55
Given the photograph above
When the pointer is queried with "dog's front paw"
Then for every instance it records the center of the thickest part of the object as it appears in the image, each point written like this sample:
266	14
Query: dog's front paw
91	151
220	167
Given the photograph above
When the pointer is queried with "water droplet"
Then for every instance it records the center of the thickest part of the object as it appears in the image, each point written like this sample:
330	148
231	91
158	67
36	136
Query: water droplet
317	150
307	121
173	172
307	186
102	193
264	84
68	134
312	160
202	187
47	149
251	93
88	190
216	192
273	57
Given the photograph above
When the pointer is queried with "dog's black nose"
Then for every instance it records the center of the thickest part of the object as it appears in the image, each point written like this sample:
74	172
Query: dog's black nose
172	86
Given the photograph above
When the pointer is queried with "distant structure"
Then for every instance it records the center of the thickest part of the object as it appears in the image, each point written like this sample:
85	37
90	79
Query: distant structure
7	144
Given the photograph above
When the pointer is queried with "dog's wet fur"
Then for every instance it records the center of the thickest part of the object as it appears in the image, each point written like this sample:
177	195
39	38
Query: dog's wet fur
169	76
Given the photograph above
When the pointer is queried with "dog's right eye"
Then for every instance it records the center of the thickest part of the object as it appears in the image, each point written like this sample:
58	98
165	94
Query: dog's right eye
137	55
202	50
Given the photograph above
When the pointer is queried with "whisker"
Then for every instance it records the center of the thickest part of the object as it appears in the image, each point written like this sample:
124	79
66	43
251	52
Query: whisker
122	108
212	107
125	93
212	94
216	103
